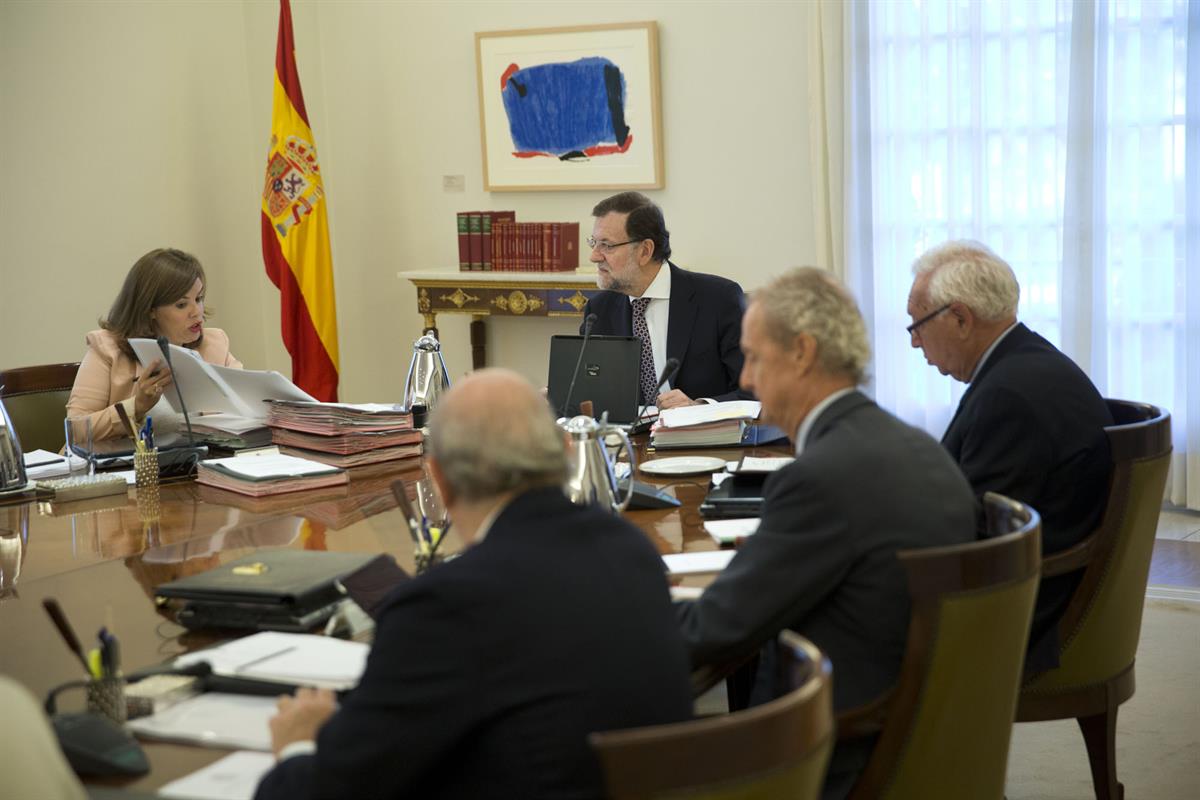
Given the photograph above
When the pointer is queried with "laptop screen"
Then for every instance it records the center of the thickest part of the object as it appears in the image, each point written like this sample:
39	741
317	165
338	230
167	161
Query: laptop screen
608	375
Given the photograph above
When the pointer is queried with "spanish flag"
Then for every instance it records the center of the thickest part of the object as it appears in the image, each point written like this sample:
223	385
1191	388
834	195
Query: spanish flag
295	230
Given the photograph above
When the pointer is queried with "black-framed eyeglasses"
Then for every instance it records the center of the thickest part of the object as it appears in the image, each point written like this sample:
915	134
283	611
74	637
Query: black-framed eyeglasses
913	328
605	246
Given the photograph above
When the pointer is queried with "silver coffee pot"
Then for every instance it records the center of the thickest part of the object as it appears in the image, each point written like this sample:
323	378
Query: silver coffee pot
427	378
591	477
12	459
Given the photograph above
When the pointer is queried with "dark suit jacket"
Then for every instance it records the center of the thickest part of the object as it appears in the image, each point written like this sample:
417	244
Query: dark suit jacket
704	328
823	562
489	671
1031	426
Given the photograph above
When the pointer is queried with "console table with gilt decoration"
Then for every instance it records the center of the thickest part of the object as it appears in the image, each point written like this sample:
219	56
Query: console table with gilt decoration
498	294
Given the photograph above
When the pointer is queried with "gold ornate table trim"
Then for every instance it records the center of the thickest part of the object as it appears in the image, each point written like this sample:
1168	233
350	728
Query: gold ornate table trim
491	294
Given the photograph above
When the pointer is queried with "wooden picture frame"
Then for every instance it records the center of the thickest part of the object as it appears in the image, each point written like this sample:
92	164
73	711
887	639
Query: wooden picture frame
570	108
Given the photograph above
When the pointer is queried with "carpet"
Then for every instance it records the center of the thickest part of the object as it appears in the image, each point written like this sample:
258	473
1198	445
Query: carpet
1158	729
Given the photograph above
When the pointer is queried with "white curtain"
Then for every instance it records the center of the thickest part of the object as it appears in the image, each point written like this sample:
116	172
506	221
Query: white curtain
1056	133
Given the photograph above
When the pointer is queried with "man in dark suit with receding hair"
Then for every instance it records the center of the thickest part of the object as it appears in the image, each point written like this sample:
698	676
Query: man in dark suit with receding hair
488	672
689	316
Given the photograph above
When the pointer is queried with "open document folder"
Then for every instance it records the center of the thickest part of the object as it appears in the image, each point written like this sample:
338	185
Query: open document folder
208	389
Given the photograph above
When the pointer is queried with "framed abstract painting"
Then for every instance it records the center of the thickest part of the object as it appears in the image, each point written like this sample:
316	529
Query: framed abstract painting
570	108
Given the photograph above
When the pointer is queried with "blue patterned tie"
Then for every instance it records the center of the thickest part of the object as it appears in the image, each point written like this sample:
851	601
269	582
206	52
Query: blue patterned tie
641	330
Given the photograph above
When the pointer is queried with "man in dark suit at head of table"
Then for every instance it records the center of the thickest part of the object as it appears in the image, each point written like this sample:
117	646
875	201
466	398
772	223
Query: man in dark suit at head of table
689	316
863	486
488	671
1030	424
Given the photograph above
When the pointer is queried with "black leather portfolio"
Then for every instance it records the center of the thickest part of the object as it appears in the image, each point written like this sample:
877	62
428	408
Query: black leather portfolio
288	590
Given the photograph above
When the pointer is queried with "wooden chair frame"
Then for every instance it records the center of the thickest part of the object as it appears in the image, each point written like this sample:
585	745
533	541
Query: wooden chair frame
1142	433
933	573
650	762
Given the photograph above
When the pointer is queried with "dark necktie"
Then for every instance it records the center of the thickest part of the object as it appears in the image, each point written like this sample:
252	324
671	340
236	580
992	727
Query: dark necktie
642	331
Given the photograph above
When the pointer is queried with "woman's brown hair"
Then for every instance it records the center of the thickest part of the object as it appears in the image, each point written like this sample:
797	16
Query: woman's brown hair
158	278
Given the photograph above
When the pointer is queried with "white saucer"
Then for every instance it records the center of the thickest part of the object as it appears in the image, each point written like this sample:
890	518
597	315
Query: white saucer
682	465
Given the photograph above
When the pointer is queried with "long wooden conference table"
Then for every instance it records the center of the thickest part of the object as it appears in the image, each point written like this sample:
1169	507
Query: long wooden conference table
102	558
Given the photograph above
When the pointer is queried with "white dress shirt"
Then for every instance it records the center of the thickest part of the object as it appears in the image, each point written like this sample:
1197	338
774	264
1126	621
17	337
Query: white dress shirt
987	353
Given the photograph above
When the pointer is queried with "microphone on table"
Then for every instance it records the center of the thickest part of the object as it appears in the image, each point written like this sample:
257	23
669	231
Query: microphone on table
165	346
668	374
588	323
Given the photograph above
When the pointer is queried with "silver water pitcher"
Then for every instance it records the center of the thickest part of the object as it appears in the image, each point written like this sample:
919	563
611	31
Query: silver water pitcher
12	459
591	477
427	379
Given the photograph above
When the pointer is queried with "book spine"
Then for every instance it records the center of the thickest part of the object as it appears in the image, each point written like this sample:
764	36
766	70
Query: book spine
544	261
485	226
475	233
502	249
570	247
464	243
556	246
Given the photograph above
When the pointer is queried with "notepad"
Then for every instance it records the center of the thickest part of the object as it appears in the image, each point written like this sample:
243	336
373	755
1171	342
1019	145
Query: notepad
213	719
290	658
698	563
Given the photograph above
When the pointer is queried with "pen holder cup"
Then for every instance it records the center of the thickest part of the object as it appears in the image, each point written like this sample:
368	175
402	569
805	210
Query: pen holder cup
106	697
145	472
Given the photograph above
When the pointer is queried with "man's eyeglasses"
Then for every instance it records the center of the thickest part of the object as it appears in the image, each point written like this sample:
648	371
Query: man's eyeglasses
606	246
913	328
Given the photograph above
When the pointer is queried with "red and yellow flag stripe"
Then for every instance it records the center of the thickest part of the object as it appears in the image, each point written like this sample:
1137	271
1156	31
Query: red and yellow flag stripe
295	230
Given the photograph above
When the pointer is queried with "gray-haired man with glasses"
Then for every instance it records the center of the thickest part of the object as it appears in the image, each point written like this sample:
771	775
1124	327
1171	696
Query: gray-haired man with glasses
689	316
1030	424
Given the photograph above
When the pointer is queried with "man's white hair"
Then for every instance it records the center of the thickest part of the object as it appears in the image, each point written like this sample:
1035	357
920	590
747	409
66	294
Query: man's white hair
970	273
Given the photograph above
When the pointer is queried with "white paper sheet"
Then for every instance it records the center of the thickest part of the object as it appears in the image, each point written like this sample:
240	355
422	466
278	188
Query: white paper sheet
729	531
753	464
298	658
213	719
270	466
698	563
234	777
684	416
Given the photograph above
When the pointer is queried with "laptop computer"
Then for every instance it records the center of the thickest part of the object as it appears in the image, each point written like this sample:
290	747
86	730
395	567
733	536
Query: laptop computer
279	590
737	496
608	375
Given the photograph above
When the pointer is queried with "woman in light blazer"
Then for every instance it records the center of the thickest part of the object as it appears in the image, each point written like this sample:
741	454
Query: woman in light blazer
163	295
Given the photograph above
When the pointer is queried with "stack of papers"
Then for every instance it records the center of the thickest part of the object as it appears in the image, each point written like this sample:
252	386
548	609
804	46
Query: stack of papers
345	434
706	425
332	419
275	473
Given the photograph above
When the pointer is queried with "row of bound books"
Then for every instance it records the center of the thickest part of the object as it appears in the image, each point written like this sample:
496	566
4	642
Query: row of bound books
494	241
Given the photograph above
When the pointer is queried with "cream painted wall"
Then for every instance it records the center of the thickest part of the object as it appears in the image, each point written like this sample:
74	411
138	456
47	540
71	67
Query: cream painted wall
128	125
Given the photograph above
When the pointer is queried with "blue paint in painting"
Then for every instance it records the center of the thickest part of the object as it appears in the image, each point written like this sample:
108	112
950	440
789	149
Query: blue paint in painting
564	109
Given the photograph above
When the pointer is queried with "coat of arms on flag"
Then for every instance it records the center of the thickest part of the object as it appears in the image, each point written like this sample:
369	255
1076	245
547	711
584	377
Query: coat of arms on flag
293	183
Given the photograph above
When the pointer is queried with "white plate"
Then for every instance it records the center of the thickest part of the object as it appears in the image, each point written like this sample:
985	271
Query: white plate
682	465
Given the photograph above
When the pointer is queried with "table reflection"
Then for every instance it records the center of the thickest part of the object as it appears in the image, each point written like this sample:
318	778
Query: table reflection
14	540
